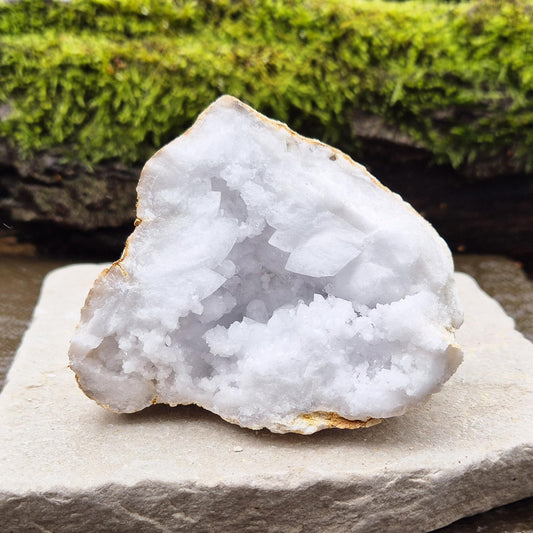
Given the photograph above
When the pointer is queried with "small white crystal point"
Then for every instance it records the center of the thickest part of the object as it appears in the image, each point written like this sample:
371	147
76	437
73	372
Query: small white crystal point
273	281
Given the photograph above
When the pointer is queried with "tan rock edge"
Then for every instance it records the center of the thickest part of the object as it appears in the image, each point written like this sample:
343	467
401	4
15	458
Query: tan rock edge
67	465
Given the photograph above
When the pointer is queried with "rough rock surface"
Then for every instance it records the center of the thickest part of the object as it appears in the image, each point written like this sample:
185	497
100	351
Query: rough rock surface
68	465
272	280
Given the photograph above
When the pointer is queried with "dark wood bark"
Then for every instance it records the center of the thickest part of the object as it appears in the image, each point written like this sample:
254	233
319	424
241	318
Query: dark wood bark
49	190
69	209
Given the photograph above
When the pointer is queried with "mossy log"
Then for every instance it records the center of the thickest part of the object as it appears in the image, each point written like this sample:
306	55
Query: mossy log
101	80
91	88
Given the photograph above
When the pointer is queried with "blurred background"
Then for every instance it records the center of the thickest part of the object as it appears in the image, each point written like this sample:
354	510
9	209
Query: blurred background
434	97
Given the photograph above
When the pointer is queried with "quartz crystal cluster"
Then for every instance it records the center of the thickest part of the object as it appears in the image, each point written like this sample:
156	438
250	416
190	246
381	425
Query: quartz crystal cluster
273	281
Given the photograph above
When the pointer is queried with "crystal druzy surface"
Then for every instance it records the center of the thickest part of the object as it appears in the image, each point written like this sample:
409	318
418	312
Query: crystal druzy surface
273	281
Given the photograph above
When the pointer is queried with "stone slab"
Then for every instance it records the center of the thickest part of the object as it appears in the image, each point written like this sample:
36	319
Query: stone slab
68	465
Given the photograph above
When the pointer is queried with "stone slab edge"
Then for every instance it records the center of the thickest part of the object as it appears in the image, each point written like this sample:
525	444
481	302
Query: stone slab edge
388	504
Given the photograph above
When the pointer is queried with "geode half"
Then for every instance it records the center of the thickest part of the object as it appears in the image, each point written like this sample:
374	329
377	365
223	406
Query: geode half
273	281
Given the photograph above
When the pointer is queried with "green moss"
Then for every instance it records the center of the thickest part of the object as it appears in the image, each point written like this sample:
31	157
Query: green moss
110	79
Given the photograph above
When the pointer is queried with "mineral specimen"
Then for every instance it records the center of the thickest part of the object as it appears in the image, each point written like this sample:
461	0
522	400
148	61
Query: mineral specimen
273	281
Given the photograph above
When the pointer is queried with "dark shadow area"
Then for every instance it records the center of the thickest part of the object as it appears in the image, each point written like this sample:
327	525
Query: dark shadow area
513	518
73	245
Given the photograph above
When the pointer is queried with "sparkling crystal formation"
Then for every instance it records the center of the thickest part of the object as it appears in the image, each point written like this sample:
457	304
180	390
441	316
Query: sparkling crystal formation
273	281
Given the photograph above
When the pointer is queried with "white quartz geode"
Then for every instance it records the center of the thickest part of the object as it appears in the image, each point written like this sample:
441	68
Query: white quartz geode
273	281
